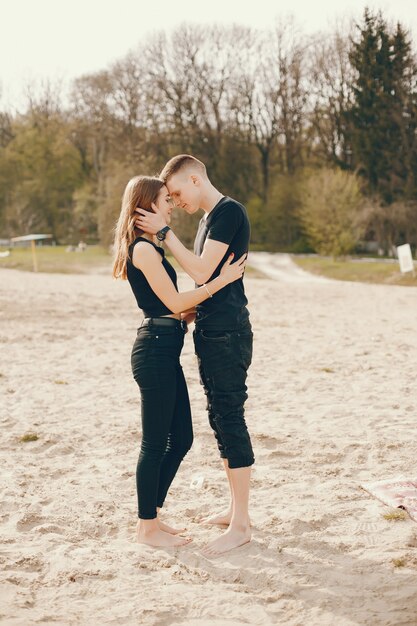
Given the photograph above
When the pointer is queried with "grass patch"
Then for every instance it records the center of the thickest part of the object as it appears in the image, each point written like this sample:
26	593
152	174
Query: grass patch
399	562
29	437
95	259
60	382
356	270
396	515
328	370
56	259
253	272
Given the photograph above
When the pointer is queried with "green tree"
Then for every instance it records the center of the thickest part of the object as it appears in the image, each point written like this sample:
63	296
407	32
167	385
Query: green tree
6	169
330	211
275	224
44	171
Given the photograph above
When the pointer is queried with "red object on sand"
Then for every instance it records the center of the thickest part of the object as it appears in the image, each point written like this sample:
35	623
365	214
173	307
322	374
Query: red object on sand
396	492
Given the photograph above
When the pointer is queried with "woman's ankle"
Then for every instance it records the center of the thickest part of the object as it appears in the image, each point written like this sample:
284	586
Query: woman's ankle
146	526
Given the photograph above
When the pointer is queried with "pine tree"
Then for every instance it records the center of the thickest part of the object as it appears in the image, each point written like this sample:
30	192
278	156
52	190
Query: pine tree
404	113
382	120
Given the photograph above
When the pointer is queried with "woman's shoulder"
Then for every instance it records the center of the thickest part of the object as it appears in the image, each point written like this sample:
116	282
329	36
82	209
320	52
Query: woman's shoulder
142	243
142	252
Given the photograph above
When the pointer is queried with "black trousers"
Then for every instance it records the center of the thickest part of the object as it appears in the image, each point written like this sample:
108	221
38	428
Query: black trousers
223	359
167	432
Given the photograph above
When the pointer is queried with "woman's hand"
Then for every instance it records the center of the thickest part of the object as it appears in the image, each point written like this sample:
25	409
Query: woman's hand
150	222
188	316
233	271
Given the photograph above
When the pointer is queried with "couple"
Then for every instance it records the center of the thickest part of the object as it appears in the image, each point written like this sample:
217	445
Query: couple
222	339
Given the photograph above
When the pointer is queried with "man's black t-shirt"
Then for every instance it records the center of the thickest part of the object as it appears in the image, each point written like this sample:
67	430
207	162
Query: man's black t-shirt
227	222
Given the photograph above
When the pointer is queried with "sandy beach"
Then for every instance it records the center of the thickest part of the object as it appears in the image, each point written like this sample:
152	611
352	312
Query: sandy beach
332	403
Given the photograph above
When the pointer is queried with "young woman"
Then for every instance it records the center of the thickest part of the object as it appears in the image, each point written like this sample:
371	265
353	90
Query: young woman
167	432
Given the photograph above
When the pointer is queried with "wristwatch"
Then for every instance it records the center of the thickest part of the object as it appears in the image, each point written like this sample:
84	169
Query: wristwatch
161	234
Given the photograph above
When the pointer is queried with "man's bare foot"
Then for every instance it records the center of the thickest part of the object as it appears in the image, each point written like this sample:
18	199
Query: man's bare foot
223	519
157	538
232	538
170	529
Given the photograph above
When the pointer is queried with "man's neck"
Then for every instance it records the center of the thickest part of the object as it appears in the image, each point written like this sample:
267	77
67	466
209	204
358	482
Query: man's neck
210	198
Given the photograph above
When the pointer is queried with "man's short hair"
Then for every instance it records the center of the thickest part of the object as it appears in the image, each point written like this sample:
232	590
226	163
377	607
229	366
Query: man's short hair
181	162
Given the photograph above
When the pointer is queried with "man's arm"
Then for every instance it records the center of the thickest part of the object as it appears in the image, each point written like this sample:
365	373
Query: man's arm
200	268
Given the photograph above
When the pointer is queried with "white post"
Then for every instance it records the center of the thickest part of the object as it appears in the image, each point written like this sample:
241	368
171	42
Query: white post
405	258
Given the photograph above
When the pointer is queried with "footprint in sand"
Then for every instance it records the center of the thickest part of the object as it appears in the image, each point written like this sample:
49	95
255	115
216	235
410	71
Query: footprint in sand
28	564
282	454
270	443
61	450
28	522
300	527
366	527
44	529
42	447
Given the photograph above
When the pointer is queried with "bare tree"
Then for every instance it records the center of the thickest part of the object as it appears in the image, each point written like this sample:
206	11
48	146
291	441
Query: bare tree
331	76
270	97
93	119
390	225
189	78
43	101
128	104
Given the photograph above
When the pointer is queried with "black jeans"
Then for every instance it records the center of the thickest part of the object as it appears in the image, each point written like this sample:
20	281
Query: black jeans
223	359
167	432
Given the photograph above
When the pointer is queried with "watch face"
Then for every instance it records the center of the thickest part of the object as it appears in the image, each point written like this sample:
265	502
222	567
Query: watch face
161	234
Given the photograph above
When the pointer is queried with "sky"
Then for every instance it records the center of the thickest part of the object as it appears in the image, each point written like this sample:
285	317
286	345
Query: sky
63	39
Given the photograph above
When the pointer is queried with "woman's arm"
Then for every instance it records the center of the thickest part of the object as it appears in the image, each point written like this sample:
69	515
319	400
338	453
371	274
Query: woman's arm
148	260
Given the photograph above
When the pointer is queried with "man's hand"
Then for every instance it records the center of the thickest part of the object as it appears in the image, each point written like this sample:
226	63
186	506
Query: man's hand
150	222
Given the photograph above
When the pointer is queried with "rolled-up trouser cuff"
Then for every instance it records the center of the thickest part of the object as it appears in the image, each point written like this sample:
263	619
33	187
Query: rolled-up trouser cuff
149	516
241	462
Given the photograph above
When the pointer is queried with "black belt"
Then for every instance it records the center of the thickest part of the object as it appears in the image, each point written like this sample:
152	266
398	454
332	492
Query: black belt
164	321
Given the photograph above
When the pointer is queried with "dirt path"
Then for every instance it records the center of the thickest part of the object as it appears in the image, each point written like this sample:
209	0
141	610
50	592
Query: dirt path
280	266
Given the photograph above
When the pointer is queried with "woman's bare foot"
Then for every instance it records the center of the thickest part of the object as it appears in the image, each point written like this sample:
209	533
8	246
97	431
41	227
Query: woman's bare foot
233	538
170	529
152	535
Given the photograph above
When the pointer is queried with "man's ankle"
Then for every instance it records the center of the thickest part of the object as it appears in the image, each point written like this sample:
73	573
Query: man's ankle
240	525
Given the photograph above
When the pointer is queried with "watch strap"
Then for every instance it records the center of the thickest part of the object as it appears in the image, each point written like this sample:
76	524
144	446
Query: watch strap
161	234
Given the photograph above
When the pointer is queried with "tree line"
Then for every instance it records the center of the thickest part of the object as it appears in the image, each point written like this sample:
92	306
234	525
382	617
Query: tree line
316	135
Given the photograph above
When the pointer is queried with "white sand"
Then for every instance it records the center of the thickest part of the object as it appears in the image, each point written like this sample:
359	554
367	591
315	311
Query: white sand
332	404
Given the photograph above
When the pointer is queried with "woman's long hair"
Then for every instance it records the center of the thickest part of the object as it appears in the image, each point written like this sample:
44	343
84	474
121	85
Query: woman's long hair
140	191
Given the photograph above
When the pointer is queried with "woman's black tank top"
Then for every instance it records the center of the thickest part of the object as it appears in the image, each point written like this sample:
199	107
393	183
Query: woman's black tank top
146	298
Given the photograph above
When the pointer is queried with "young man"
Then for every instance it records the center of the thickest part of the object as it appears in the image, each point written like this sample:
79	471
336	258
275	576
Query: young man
223	335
